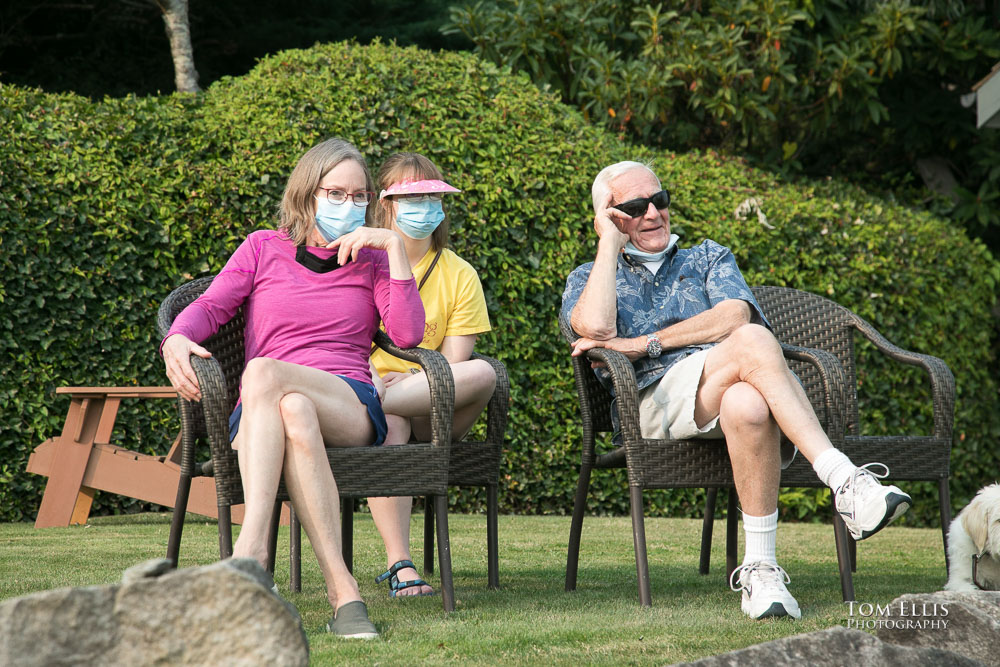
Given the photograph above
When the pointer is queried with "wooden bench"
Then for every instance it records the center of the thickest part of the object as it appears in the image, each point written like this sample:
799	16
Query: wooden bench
82	460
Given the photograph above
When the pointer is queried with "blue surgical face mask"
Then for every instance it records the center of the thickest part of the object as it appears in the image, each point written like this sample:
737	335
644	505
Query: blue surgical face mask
418	220
335	220
643	256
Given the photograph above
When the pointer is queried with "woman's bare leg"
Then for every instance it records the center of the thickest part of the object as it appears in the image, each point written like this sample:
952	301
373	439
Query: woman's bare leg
406	405
312	408
392	515
475	381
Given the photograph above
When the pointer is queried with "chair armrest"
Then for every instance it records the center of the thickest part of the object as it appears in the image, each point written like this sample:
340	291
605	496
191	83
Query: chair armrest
942	380
626	390
834	381
497	408
214	408
439	379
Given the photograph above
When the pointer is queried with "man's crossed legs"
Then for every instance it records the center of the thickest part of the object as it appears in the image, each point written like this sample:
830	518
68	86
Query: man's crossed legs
745	389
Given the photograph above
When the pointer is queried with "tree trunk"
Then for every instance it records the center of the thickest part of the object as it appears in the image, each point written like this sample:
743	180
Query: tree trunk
175	19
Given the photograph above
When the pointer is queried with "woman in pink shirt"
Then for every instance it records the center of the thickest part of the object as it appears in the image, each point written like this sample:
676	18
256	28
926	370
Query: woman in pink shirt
313	292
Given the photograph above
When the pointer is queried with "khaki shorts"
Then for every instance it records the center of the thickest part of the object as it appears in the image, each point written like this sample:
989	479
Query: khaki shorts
666	408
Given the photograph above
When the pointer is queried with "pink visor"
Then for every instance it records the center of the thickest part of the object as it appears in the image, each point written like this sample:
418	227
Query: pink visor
427	187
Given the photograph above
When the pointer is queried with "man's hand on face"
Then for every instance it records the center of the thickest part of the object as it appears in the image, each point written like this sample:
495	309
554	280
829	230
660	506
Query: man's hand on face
609	222
632	348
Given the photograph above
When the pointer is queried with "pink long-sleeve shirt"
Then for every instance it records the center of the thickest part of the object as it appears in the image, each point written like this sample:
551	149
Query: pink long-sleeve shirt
293	314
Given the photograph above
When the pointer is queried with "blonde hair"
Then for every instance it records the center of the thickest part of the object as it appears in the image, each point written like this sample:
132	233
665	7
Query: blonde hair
602	184
298	208
407	167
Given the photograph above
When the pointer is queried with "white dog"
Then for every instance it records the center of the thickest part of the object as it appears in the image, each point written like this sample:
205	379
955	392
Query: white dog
975	535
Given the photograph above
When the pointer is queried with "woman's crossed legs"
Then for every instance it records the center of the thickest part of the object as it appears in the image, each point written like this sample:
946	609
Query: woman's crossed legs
291	413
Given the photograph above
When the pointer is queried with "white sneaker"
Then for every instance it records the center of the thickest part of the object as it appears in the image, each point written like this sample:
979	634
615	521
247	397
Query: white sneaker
865	505
764	592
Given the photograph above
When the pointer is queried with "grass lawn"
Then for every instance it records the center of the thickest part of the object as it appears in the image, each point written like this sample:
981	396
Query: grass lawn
531	620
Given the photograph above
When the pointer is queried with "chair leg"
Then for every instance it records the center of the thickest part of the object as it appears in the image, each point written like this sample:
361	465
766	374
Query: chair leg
272	537
428	537
576	527
852	547
732	521
225	532
944	500
347	532
294	551
444	552
639	541
843	540
706	530
492	540
177	520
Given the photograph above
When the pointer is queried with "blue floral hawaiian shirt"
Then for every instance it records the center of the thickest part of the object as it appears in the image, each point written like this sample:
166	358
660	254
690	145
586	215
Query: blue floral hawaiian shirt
690	281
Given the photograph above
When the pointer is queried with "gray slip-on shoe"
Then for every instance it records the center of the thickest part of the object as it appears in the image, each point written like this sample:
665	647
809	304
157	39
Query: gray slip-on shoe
351	622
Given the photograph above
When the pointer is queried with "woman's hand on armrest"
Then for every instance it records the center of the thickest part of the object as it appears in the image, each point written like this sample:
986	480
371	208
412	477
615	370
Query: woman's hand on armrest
177	351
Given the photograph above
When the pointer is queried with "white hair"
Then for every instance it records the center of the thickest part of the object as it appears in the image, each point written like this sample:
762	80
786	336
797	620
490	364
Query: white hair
602	184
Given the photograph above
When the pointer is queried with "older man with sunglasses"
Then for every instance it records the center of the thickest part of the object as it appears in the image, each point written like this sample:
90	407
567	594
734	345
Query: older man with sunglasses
708	366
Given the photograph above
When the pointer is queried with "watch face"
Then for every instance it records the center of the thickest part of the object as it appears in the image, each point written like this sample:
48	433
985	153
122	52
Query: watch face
653	348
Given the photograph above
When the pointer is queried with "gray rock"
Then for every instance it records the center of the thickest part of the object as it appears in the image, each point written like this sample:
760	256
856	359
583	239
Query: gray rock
835	646
147	569
221	614
68	626
966	623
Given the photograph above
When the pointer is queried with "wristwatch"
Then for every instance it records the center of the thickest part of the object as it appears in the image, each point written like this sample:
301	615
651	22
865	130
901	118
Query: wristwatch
653	347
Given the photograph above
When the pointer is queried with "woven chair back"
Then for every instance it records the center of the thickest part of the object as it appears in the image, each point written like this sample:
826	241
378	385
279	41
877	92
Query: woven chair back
808	320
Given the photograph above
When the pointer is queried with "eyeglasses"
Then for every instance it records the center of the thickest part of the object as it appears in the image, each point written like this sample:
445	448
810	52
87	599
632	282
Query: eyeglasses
361	198
636	207
417	199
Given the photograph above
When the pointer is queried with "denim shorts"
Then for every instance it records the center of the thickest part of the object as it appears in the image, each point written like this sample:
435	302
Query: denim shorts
366	394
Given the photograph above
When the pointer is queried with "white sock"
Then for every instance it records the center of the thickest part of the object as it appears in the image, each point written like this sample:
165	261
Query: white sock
833	468
761	533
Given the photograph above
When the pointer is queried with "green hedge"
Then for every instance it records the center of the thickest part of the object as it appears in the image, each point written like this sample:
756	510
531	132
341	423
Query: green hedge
104	207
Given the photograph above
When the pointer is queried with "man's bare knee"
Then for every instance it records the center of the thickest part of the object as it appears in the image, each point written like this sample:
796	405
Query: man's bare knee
743	406
755	337
756	349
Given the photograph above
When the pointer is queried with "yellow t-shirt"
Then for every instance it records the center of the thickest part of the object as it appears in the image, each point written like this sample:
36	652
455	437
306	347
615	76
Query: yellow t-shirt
454	305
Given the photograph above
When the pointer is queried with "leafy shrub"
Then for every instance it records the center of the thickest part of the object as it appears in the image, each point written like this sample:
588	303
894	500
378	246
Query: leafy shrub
859	89
105	207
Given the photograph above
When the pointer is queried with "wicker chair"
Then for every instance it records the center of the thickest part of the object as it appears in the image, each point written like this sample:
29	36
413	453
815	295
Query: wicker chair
477	464
472	464
669	464
360	471
802	318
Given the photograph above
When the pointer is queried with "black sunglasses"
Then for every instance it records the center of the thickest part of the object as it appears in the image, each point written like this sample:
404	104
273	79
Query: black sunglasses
636	207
